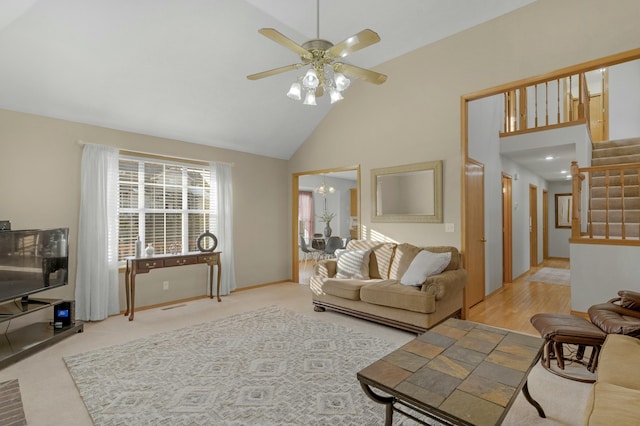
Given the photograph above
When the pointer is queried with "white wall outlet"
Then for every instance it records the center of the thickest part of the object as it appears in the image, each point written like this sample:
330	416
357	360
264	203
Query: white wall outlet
448	227
165	285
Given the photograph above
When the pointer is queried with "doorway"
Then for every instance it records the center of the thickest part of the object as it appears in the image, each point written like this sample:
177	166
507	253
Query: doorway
343	197
474	232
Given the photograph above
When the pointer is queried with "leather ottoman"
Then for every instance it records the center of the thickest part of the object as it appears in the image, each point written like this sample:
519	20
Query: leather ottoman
560	329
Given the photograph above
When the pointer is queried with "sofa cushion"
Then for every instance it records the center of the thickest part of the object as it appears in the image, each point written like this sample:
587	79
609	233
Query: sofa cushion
352	264
346	289
395	295
619	350
611	404
424	265
405	253
380	258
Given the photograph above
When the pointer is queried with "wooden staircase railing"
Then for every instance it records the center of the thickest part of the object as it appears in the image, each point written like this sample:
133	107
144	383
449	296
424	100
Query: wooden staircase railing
613	217
546	104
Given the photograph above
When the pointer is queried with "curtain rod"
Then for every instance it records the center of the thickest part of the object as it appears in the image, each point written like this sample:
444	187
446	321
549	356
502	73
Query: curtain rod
162	157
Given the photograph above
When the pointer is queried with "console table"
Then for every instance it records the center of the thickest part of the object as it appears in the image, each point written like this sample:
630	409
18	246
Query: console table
142	265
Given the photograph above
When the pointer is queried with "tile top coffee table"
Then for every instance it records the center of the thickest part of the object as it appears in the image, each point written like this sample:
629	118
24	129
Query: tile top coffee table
459	372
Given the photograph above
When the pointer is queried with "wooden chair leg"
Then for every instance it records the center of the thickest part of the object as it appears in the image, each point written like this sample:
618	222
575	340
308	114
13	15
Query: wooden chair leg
580	352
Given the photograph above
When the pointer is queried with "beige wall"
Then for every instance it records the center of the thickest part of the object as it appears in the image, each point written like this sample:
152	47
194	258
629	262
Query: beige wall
415	115
40	188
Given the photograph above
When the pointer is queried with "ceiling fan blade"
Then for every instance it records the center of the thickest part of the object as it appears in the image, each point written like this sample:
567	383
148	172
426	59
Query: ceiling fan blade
274	71
279	38
359	73
354	43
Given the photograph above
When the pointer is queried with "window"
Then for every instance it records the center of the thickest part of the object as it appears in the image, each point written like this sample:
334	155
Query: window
305	213
168	204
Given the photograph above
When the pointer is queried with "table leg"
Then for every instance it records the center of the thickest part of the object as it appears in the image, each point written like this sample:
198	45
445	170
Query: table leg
386	400
527	395
127	287
133	294
218	284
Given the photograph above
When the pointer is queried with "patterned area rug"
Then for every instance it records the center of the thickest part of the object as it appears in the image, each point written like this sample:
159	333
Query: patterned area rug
11	411
267	367
552	276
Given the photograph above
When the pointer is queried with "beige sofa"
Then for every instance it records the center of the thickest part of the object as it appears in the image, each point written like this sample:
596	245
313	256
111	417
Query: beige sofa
615	396
381	297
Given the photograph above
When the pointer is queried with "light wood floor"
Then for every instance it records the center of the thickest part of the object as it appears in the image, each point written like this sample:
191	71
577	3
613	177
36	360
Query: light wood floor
512	306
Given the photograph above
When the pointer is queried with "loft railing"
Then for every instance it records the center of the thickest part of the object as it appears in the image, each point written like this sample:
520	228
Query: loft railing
612	197
546	104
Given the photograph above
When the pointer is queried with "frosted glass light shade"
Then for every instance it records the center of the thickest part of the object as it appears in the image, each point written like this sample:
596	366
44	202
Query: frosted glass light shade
310	80
310	98
335	95
342	82
295	91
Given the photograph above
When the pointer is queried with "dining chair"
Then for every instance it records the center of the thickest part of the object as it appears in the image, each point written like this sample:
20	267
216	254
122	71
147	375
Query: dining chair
333	244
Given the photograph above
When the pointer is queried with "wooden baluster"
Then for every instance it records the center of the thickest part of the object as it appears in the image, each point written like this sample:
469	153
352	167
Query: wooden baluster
506	111
576	182
570	118
558	90
535	118
546	103
606	204
522	108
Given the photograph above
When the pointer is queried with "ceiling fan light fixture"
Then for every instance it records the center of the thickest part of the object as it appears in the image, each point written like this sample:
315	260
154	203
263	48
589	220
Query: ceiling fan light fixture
295	91
342	82
335	95
310	98
310	80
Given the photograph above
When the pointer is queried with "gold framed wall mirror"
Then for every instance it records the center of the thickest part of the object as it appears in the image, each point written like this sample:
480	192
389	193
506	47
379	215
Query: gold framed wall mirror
407	193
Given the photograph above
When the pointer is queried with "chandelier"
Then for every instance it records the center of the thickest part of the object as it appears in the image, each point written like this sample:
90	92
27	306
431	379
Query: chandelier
325	189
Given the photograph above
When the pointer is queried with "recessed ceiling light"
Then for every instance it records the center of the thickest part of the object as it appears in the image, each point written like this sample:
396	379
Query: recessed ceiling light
549	157
568	176
563	171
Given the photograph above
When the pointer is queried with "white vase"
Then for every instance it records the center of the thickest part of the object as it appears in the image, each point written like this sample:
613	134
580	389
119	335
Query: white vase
149	250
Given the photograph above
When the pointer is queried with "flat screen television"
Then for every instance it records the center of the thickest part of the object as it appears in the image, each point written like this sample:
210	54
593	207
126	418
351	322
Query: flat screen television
32	261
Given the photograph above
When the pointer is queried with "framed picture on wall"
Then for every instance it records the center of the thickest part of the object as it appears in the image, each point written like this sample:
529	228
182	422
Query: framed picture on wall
563	210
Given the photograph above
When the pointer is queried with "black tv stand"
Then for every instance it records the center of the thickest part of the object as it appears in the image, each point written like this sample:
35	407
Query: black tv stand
18	344
25	301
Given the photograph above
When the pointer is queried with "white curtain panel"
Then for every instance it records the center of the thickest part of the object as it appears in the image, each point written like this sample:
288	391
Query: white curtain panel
97	274
224	233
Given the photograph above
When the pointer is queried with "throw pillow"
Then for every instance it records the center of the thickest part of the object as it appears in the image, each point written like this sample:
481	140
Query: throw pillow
353	264
424	265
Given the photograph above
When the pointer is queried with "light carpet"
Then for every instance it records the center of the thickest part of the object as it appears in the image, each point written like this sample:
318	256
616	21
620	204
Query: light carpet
552	276
267	367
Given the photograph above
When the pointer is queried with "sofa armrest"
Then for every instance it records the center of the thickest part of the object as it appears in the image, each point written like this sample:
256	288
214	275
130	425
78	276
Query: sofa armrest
325	268
445	283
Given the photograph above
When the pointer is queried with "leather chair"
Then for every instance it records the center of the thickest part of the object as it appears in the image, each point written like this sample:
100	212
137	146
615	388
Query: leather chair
620	315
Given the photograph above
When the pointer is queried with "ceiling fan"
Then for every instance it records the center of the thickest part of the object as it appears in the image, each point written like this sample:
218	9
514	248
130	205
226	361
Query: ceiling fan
325	71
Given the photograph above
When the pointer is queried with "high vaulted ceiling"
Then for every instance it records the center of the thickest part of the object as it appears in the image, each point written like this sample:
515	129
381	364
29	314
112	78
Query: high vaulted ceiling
177	68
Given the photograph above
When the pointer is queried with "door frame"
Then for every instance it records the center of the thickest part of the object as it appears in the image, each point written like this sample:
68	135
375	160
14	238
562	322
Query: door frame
295	182
507	228
533	225
545	223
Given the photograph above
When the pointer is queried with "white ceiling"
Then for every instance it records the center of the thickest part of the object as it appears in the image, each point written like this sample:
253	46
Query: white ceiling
537	160
177	68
